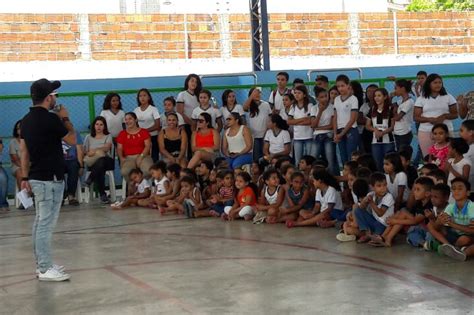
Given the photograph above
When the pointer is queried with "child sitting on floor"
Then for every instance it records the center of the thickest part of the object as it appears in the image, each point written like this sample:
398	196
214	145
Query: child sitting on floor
396	179
162	188
271	198
416	218
374	209
246	199
225	195
454	228
139	189
297	198
328	207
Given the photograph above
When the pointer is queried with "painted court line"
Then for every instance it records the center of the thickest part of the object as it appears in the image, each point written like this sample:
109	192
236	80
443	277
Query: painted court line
433	278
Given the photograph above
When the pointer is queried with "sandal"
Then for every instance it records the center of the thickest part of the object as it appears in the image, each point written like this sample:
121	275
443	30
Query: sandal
363	239
290	223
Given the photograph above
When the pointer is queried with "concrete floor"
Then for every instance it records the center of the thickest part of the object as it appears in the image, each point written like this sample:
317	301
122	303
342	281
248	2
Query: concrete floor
138	262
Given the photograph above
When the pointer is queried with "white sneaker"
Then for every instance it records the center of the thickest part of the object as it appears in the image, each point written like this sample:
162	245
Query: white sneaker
57	267
53	275
343	237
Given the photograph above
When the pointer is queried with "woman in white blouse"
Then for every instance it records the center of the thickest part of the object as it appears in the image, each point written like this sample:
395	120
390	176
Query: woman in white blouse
433	107
113	114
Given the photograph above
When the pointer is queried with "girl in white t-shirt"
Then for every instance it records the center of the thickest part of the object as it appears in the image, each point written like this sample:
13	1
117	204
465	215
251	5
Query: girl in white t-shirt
277	140
434	107
346	109
206	107
169	106
397	181
467	133
364	110
113	114
259	115
458	165
403	115
328	208
149	119
300	118
229	106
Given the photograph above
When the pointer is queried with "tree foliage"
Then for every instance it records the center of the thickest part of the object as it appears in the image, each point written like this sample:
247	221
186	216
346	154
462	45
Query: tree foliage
440	5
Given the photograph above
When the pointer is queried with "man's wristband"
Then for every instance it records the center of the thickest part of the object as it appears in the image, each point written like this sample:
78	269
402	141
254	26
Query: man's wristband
23	179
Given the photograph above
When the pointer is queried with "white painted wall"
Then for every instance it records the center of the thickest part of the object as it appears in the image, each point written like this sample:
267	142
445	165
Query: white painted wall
60	6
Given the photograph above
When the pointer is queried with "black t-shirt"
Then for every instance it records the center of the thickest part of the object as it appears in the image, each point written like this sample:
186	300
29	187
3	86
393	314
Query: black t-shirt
419	209
412	175
42	132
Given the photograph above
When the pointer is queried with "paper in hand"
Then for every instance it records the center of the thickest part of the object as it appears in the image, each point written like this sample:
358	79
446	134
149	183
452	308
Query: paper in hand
25	199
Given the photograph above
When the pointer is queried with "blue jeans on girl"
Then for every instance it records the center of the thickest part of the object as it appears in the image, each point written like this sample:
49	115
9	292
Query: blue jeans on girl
378	152
302	147
239	161
257	149
348	144
324	147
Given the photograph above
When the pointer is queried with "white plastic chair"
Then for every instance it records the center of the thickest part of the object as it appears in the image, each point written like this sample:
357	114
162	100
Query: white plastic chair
89	191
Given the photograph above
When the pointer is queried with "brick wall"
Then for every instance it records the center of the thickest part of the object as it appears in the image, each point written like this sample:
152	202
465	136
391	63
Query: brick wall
27	37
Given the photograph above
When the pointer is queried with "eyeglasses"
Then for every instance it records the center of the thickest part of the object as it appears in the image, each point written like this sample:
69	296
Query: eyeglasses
201	121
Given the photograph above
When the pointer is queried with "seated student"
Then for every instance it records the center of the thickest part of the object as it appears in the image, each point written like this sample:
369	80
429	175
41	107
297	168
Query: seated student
297	197
363	173
277	139
306	164
439	199
203	172
454	228
205	107
427	168
350	228
139	189
225	194
245	201
367	160
271	198
286	172
408	168
467	133
416	218
374	209
173	175
457	165
281	162
356	155
161	187
256	170
188	201
328	208
349	167
396	179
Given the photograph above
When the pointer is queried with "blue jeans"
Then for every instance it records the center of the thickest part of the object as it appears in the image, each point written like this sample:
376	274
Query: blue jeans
378	152
48	198
72	171
239	160
324	146
3	188
403	141
257	149
348	144
367	222
302	147
219	208
416	235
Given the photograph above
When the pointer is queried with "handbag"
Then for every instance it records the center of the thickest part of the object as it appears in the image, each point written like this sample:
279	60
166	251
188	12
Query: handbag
90	160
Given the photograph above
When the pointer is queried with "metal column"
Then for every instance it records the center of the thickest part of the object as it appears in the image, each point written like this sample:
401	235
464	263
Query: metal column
259	34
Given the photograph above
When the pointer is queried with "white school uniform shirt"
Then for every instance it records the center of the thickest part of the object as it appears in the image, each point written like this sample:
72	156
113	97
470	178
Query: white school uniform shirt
434	107
458	168
214	112
258	123
276	99
326	118
386	201
399	180
143	186
403	126
147	117
160	186
237	109
344	110
190	102
301	132
470	157
331	196
277	141
365	110
164	120
114	121
382	123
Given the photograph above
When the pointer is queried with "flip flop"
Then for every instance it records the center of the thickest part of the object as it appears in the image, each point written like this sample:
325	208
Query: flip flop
363	239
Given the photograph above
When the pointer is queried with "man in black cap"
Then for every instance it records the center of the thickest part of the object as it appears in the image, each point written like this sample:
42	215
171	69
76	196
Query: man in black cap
42	163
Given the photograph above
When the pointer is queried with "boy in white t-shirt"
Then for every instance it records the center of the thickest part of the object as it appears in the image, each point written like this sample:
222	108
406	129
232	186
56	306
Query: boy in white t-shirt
205	107
276	97
374	209
139	189
467	133
169	106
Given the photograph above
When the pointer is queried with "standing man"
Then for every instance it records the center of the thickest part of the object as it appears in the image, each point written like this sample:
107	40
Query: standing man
276	96
42	164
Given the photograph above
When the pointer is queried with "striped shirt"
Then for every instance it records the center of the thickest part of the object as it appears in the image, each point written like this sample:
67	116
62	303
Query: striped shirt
382	123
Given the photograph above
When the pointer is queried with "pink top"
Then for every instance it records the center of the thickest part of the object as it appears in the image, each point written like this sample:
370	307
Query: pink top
439	155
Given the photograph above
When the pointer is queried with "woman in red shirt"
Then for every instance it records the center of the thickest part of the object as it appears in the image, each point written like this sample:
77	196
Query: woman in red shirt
133	147
205	141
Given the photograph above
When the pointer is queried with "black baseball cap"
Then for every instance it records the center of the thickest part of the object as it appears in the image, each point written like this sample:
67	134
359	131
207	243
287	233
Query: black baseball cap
41	88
